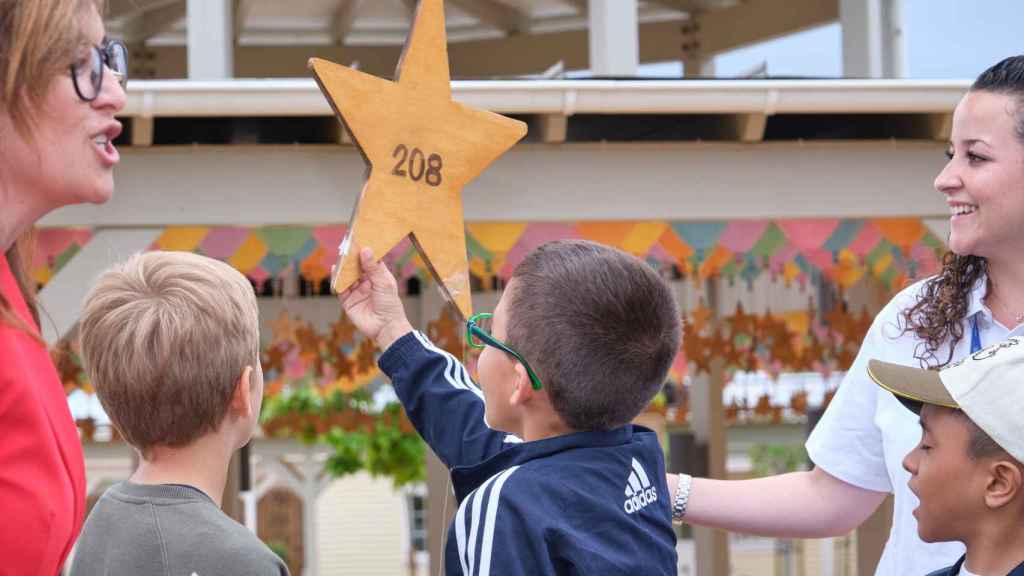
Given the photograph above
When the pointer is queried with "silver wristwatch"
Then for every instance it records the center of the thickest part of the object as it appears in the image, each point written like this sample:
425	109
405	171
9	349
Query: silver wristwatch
682	497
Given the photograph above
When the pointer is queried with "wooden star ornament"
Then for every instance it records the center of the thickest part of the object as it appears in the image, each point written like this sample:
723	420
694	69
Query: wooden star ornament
421	148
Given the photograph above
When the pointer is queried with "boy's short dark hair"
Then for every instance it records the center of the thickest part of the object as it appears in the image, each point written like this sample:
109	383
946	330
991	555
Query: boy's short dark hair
599	327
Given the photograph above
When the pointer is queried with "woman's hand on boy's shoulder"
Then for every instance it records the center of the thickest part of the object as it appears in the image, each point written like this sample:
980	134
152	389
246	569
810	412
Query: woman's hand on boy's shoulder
373	304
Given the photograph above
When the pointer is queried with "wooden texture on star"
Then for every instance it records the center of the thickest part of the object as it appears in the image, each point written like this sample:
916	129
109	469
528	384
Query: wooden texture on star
421	149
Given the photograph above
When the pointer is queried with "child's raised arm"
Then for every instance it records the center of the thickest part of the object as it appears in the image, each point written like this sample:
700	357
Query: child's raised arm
373	303
442	402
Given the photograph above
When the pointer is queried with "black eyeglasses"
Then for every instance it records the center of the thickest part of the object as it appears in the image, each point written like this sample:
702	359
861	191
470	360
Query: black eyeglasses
87	74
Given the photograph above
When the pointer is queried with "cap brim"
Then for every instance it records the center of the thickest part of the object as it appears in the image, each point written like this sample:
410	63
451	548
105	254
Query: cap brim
911	386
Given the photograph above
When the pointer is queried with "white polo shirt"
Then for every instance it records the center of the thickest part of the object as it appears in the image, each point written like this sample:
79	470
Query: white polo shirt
865	433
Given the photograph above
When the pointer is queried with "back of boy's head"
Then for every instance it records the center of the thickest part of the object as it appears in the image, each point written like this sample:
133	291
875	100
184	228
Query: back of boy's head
599	327
165	337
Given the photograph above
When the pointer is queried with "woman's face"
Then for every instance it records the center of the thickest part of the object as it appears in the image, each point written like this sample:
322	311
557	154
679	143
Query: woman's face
984	178
69	157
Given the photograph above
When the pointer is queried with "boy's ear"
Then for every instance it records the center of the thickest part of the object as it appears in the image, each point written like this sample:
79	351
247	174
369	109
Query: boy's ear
522	391
241	398
1005	483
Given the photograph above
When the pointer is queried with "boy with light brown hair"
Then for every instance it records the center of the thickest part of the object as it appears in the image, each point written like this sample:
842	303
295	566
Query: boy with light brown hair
170	341
966	471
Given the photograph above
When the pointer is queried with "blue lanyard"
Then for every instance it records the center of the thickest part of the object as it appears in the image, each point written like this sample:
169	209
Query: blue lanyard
975	335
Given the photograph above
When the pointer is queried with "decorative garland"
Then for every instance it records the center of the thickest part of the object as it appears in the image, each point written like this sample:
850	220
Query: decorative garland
890	250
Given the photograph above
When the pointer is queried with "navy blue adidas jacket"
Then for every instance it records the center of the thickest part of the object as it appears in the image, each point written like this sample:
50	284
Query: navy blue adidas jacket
954	570
585	503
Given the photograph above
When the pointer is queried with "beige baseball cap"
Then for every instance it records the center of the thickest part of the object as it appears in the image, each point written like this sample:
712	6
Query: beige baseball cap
988	386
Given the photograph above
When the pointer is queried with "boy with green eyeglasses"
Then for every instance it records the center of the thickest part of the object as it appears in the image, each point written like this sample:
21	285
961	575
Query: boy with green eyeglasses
550	475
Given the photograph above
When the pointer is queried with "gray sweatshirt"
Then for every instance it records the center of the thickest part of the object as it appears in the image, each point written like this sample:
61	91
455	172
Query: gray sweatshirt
171	530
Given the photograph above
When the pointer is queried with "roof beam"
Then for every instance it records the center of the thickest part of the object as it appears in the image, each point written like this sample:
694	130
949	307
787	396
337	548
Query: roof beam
343	18
154	21
501	16
581	6
119	8
721	30
753	21
687	6
508	56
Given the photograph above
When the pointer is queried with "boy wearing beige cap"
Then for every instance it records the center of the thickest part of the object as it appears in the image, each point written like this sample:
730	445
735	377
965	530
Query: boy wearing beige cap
967	470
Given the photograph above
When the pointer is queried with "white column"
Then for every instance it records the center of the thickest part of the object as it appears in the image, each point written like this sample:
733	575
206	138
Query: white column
62	296
310	494
872	38
614	37
894	64
827	563
211	39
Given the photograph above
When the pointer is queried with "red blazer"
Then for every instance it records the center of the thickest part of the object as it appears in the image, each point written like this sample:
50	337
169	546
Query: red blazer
42	473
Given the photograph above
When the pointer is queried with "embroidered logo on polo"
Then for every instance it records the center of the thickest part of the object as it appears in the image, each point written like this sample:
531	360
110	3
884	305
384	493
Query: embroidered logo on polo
639	490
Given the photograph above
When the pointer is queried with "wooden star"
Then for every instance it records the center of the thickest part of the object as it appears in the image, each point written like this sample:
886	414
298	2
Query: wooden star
741	322
283	328
701	315
342	332
366	359
421	148
273	357
445	332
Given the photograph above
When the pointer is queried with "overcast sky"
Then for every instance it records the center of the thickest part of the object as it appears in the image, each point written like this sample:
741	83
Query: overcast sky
944	39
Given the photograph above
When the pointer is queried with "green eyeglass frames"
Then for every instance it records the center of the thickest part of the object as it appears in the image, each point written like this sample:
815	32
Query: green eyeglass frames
479	338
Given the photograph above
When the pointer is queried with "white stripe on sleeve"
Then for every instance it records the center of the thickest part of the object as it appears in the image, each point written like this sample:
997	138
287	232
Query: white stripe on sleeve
455	372
492	515
460	535
478	498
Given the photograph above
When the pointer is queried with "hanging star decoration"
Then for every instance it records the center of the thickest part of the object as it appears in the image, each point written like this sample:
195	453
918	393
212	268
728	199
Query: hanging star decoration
421	148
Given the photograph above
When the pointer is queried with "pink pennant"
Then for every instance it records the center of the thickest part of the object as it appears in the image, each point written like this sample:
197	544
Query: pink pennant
657	252
820	258
223	241
533	236
808	234
52	242
330	238
741	235
866	241
400	251
258	274
784	255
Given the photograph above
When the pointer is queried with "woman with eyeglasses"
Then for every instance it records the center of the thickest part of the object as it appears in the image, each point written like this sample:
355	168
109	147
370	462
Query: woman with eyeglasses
61	83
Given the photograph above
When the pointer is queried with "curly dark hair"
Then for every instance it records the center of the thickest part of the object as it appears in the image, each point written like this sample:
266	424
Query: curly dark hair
937	317
941	306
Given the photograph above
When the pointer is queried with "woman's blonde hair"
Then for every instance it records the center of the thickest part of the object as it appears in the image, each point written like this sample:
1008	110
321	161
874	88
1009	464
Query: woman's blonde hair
38	41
